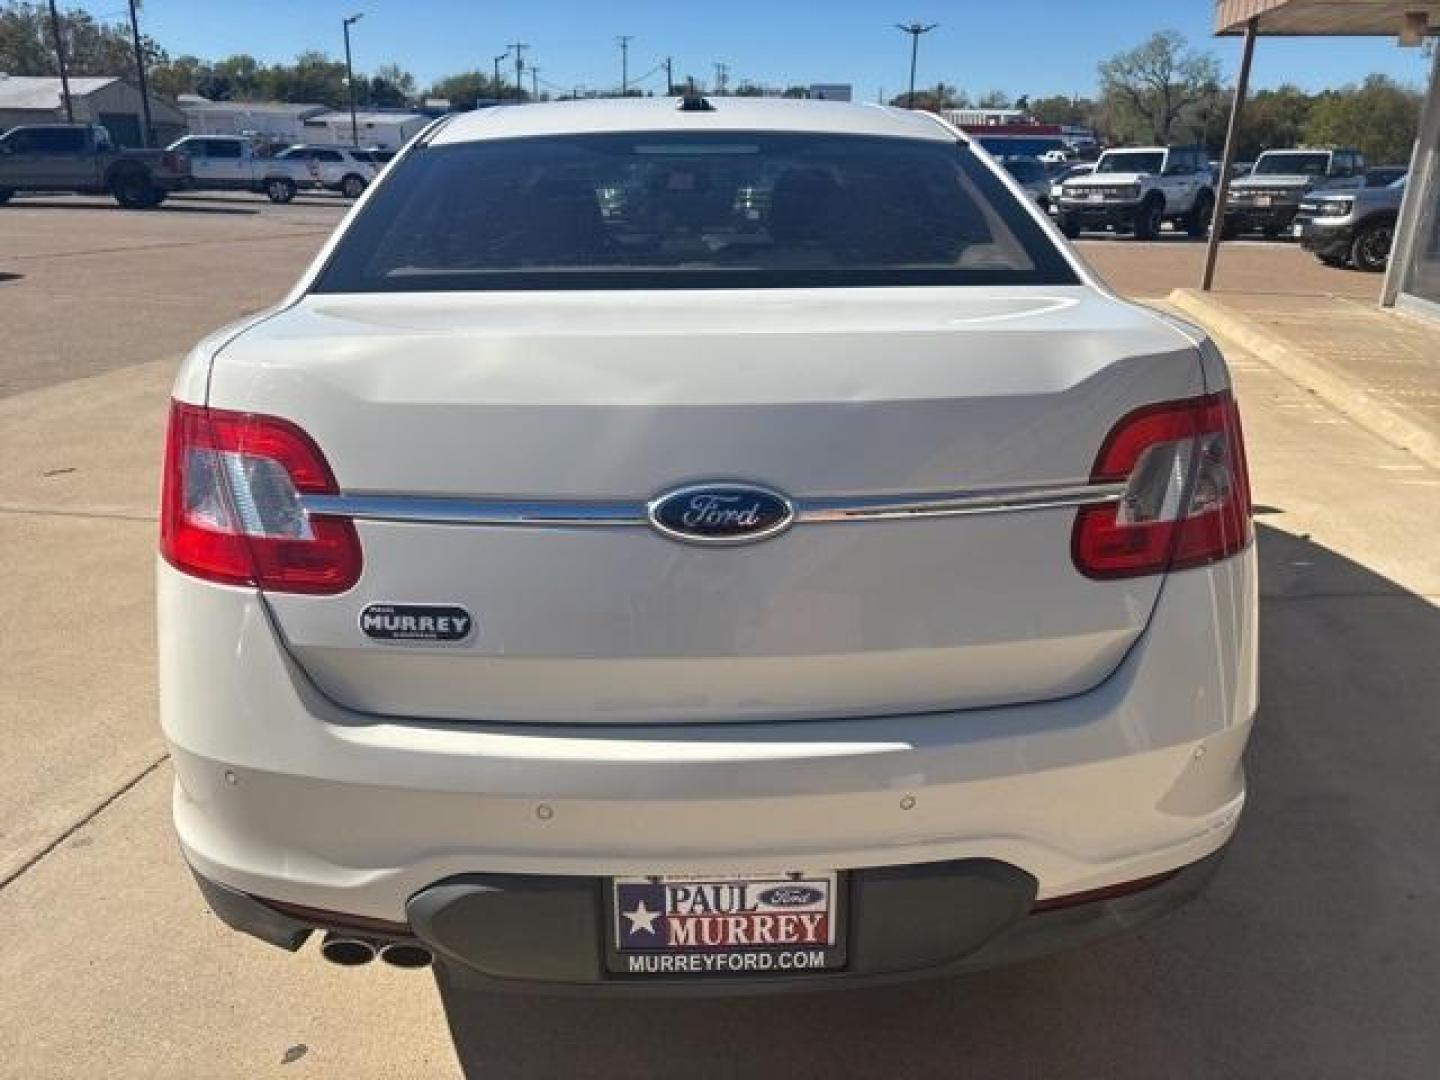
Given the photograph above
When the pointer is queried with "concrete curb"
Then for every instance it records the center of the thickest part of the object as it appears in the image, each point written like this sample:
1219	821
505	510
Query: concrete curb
1335	386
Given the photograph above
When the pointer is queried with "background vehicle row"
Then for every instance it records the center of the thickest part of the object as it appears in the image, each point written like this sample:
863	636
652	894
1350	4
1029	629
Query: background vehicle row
238	164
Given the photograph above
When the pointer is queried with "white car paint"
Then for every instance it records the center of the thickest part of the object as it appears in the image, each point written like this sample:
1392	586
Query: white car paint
914	689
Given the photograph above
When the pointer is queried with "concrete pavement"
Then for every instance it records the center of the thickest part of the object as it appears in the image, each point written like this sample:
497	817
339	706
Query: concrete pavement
1312	956
1380	368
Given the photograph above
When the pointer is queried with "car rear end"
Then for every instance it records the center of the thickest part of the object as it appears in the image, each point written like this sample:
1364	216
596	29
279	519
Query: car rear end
637	595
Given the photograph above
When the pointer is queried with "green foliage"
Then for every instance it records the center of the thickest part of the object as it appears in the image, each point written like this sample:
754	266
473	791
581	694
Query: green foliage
468	87
27	45
1379	118
1060	109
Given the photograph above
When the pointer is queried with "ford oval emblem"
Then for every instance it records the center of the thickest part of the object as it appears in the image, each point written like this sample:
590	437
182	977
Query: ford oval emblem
791	896
721	513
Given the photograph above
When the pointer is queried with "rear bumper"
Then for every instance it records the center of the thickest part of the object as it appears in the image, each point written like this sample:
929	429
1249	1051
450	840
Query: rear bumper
282	794
494	931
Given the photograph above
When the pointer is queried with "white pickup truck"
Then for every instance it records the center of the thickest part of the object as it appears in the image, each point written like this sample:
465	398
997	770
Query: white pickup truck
231	163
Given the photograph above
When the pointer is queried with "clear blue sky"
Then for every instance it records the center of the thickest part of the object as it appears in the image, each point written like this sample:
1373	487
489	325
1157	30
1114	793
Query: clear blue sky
1036	47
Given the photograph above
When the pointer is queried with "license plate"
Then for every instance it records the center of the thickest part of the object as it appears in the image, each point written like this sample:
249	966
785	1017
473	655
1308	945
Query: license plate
1263	200
725	924
1096	196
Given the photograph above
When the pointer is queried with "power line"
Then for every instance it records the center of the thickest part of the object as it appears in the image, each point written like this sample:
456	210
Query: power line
518	48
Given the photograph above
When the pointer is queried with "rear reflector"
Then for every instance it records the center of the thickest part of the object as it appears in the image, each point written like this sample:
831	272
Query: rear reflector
1095	896
230	508
1187	491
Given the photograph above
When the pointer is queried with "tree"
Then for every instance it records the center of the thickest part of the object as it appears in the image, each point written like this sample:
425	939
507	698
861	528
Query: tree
1272	119
467	88
1060	109
27	45
994	99
390	87
1379	118
1146	90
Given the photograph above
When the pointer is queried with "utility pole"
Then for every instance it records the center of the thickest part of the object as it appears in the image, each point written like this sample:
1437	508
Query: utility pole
722	78
914	29
624	42
518	48
534	83
350	79
149	133
669	77
499	87
60	57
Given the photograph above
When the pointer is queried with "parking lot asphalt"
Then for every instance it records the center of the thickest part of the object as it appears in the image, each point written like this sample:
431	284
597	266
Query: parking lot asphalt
1313	955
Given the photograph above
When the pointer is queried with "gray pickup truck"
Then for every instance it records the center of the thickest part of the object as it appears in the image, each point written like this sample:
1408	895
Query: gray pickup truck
81	158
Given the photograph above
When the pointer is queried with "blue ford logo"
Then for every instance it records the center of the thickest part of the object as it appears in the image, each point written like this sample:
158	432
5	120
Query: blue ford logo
721	513
791	896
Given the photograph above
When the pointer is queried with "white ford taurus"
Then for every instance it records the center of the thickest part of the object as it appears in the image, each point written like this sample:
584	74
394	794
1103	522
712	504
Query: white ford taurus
688	544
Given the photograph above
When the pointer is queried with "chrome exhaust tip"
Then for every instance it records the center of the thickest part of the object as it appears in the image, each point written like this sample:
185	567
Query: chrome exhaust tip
347	951
406	954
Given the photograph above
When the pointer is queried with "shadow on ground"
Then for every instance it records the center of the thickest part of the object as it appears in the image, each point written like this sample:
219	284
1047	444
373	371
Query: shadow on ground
169	206
1314	954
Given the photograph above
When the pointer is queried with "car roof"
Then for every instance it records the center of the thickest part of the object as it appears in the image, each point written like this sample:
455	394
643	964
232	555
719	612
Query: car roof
663	114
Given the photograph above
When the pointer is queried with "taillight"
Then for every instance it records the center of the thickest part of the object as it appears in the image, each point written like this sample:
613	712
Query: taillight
231	511
1187	493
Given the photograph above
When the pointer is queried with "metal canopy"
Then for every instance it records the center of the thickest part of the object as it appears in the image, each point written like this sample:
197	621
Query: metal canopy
1327	18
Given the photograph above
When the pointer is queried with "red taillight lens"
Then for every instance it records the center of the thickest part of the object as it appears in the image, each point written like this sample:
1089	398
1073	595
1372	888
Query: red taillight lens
1187	491
231	512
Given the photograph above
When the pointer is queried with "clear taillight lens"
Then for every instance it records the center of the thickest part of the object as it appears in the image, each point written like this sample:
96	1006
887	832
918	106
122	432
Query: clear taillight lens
1187	492
231	508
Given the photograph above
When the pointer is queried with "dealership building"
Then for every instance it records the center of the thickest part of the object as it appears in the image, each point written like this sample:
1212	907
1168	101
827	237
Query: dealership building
1412	281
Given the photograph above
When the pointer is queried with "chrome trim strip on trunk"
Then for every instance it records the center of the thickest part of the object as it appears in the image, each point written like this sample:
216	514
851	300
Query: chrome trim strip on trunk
471	511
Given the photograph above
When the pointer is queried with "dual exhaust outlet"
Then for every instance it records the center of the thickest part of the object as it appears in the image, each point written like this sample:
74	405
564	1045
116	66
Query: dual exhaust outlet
346	950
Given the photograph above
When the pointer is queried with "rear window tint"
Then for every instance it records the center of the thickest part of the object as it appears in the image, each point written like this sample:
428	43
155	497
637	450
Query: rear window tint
705	210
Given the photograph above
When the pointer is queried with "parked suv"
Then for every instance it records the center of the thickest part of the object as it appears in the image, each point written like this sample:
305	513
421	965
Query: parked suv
332	168
81	158
1354	228
838	585
1136	190
1267	199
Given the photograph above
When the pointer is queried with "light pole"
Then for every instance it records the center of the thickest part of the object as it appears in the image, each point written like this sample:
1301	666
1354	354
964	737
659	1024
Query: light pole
498	87
914	29
350	79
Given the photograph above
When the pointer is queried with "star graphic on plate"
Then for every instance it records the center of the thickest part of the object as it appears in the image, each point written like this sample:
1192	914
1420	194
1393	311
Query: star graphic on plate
642	919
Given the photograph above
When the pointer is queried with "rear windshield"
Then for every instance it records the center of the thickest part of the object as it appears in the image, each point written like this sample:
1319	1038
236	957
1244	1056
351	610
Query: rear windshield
705	210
